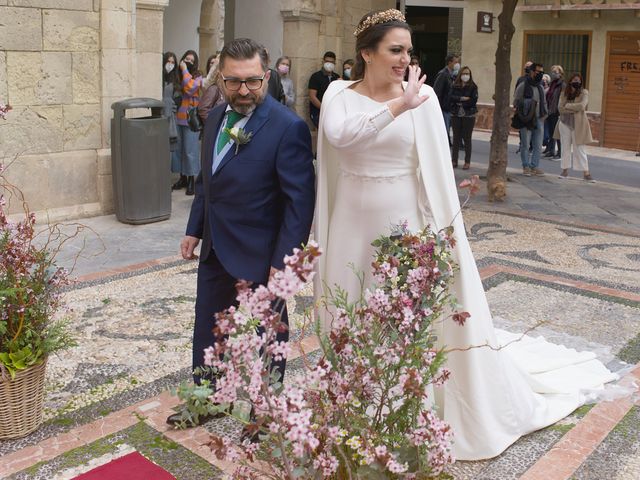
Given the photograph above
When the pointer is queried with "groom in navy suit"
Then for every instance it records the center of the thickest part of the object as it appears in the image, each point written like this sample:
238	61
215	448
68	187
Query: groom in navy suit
254	201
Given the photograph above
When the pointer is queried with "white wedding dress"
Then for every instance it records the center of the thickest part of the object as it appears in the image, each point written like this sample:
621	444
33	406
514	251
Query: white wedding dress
375	171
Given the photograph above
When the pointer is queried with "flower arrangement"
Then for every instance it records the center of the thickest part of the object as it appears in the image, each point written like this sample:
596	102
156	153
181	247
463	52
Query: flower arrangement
30	293
365	409
30	286
239	136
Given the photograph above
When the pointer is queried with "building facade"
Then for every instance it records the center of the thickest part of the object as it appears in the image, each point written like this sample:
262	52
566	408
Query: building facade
64	62
598	38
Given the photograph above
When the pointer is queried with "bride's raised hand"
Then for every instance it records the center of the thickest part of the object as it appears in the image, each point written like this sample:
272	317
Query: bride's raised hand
411	96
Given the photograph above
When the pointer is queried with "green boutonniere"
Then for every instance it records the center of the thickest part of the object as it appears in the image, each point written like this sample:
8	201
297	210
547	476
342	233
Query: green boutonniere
239	136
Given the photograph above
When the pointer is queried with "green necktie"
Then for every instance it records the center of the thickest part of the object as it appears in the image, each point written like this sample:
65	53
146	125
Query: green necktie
223	139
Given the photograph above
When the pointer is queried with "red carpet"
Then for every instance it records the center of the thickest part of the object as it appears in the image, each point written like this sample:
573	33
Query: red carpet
130	467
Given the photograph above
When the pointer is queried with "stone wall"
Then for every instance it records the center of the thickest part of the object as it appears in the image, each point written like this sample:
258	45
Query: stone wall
49	72
62	64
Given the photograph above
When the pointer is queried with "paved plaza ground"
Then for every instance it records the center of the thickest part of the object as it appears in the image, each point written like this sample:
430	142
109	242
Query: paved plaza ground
564	252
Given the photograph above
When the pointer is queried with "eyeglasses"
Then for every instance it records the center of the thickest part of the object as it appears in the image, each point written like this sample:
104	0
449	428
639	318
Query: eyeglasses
235	84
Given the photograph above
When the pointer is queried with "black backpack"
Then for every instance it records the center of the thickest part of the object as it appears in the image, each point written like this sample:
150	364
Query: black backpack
526	111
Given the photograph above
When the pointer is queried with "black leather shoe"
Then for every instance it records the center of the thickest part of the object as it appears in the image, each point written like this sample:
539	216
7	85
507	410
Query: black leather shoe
251	437
190	186
180	184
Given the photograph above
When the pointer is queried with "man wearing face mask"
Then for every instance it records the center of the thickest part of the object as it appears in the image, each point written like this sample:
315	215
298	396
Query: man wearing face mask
530	94
442	86
318	84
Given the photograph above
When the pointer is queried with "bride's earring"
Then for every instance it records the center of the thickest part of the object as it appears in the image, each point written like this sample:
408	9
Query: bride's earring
369	61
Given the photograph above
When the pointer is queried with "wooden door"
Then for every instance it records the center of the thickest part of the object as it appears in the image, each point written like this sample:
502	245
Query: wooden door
622	101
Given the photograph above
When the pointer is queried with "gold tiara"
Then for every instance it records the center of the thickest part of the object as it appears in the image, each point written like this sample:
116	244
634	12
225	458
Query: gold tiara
380	17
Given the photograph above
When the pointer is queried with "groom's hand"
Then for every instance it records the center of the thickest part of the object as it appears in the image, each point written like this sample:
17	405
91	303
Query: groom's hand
187	246
272	272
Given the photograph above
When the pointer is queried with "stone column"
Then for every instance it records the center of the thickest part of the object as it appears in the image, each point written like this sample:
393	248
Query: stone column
211	29
148	48
117	64
301	38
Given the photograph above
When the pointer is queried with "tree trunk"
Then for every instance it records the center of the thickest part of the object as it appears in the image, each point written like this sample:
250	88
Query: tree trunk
498	156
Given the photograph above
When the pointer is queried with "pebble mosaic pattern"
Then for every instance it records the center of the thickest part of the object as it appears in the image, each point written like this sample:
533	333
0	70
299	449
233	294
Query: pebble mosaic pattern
618	456
136	328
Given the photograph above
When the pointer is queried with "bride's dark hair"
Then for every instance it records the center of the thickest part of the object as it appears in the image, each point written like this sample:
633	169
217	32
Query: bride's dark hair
370	38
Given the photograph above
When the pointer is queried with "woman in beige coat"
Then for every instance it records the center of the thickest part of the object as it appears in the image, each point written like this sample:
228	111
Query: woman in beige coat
573	128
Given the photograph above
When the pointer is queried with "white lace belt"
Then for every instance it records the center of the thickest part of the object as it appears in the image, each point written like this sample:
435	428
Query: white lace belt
377	178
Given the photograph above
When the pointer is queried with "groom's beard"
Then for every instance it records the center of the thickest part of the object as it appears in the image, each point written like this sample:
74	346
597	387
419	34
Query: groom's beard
246	104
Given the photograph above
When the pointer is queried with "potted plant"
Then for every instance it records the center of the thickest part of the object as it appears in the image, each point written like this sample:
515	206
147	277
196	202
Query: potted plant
30	295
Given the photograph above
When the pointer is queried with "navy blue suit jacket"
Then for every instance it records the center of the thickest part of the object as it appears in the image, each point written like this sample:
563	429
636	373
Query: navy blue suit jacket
259	204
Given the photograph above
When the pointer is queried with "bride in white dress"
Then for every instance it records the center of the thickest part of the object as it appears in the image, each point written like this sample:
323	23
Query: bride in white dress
383	157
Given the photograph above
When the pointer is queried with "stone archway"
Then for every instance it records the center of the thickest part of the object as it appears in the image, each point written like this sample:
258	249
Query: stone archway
211	29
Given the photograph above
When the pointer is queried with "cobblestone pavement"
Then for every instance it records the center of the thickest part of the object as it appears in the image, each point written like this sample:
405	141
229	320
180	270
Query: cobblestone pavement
109	395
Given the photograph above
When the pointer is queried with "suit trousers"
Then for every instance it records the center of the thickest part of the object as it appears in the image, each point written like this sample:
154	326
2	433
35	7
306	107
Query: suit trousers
216	291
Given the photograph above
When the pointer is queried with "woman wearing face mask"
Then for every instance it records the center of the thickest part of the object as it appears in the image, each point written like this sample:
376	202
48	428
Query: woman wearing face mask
574	128
283	67
186	157
464	97
553	99
169	82
347	66
212	95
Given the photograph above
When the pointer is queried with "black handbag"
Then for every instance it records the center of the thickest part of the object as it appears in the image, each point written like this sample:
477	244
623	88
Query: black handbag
193	119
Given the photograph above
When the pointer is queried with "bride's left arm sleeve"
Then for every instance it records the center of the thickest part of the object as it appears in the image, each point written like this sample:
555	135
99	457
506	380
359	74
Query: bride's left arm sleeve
346	130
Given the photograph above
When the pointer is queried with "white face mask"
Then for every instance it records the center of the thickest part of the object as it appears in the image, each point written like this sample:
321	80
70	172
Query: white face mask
329	66
347	73
456	67
169	67
465	77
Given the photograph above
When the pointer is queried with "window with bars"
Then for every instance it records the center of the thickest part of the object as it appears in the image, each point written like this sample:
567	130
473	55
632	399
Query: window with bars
569	50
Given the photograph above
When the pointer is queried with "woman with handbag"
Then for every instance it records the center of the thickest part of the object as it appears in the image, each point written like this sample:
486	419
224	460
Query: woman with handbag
464	96
186	158
573	128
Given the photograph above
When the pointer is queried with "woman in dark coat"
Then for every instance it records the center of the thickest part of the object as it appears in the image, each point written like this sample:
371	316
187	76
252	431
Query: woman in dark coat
464	97
170	80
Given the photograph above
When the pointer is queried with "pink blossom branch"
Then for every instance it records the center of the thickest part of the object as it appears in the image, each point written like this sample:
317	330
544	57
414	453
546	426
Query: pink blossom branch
497	349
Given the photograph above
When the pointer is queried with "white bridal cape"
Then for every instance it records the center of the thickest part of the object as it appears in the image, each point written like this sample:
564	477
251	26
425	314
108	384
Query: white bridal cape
368	164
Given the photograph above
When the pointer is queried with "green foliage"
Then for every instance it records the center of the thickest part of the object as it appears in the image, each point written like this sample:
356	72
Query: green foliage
19	359
196	403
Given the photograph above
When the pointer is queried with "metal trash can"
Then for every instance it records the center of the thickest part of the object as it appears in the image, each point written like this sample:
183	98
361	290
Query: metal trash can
140	160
